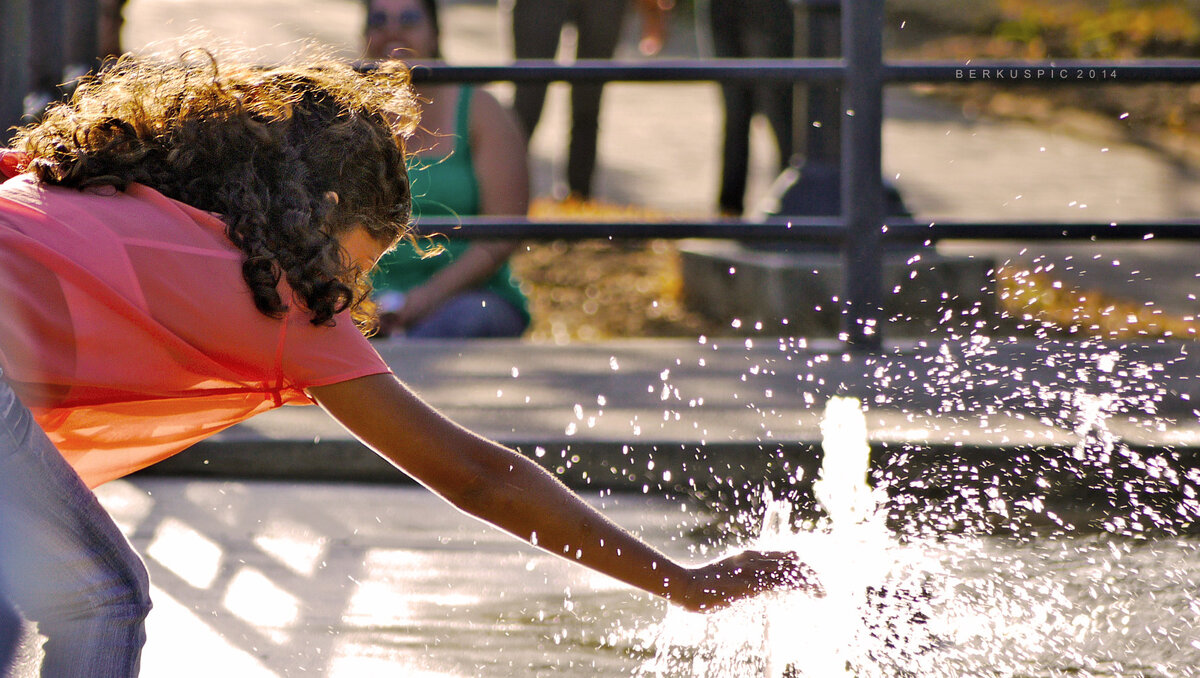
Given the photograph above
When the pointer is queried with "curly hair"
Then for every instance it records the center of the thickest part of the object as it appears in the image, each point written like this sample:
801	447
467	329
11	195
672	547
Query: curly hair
263	147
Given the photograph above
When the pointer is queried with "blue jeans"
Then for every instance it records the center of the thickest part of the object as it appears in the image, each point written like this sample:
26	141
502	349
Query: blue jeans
63	562
477	314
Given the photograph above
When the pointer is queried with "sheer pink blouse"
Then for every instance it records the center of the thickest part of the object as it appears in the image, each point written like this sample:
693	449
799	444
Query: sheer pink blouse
126	326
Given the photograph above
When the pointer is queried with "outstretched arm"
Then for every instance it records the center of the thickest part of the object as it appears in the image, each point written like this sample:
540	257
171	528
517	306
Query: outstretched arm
513	493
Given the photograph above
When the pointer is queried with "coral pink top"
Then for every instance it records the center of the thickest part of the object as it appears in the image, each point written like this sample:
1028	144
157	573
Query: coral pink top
126	326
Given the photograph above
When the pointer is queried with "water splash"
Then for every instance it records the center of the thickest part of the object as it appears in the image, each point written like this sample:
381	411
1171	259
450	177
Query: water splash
869	604
945	606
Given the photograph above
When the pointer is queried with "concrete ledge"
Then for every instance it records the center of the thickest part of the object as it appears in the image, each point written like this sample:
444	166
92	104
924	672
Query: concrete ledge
710	420
664	468
725	280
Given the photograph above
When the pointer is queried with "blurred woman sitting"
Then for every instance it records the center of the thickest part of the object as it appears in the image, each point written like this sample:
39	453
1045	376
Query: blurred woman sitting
469	159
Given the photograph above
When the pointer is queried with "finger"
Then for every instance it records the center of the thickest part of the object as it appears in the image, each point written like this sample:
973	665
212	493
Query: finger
650	46
785	570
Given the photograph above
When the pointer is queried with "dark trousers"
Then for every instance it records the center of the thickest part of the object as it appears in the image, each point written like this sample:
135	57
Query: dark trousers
751	29
536	26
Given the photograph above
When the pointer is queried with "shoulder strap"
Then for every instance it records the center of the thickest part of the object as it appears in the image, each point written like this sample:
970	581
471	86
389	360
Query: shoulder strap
462	124
462	119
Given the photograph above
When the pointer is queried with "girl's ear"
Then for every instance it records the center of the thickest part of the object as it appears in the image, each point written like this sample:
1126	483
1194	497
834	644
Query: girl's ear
332	196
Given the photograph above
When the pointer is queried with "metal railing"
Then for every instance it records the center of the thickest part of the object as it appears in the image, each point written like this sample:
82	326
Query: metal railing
44	43
863	228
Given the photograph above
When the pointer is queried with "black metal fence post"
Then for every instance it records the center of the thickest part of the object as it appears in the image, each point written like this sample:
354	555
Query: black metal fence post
14	66
47	58
82	48
863	200
810	185
822	122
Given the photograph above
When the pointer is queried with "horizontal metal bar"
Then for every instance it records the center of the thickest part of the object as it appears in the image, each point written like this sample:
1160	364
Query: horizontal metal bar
913	231
659	70
826	230
1064	72
814	229
1067	72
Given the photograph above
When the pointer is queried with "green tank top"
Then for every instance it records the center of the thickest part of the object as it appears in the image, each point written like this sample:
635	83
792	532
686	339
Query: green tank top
444	187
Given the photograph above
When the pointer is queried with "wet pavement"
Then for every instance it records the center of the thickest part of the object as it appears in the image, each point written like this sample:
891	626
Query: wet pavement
265	579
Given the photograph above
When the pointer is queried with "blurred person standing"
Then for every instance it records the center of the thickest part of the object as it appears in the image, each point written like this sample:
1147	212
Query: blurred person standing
64	39
536	31
469	159
742	29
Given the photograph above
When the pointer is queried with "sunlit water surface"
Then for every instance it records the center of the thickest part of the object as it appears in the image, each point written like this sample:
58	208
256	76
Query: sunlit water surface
283	579
1093	605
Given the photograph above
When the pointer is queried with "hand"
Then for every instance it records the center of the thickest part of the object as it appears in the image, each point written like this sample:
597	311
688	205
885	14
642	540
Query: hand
419	302
654	25
745	575
389	326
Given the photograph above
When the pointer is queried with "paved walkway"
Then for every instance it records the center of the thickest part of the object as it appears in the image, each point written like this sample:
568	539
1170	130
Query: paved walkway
687	417
269	579
257	578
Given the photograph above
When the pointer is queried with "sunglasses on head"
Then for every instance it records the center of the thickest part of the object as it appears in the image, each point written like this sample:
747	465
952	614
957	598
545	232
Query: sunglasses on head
406	19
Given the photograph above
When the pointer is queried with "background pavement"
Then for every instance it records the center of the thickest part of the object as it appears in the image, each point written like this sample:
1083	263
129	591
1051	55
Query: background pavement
660	144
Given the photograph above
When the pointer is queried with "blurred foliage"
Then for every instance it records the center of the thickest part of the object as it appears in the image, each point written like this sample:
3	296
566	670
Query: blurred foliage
1036	297
1082	30
1072	29
592	290
1159	115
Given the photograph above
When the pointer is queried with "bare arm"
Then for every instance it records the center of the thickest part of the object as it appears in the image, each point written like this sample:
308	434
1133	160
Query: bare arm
499	156
504	488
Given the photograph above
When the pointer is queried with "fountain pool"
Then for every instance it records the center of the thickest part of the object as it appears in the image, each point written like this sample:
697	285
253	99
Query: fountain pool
289	579
1074	603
